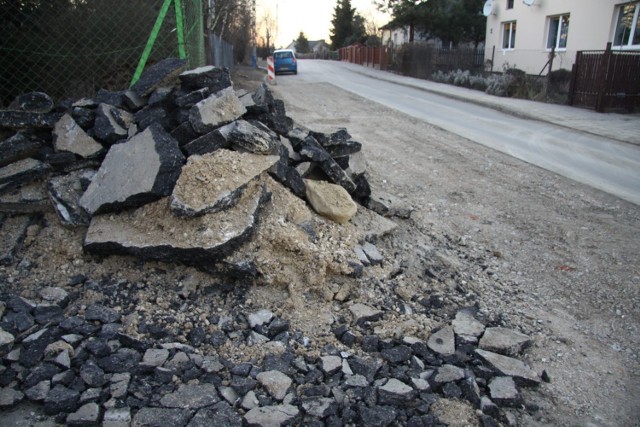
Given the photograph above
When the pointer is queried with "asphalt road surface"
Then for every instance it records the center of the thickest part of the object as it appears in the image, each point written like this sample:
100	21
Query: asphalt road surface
602	163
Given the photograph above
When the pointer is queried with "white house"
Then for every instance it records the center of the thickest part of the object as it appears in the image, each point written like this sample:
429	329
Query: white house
393	36
521	33
316	46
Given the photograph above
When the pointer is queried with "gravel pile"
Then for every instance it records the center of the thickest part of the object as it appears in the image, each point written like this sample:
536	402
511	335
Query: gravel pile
86	368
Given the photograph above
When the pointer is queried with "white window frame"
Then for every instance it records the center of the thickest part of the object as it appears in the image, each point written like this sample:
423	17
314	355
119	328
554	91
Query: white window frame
563	22
511	45
510	4
634	24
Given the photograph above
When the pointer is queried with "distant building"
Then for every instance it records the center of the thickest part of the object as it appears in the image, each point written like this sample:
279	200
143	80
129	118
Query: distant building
316	46
521	33
395	36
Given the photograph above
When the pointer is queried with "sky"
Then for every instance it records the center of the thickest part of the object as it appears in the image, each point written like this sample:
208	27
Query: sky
312	17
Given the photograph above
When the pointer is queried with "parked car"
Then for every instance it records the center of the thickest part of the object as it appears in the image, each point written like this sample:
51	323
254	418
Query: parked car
284	61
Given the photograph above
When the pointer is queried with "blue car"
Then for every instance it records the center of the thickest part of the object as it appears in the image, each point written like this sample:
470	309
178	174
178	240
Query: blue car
284	61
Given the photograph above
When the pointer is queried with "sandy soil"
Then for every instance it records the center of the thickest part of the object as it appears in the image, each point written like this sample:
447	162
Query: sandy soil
544	254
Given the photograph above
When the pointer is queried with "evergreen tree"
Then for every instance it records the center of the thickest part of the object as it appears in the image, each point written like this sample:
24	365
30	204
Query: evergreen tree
302	44
348	27
450	20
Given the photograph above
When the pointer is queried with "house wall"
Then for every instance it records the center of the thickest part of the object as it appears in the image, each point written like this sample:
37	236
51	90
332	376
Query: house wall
591	26
398	36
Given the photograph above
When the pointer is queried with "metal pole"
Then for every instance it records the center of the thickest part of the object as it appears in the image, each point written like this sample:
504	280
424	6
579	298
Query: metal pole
208	48
180	29
151	41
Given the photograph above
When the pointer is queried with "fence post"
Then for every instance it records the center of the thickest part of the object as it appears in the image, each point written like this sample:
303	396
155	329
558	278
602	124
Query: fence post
547	83
574	79
603	78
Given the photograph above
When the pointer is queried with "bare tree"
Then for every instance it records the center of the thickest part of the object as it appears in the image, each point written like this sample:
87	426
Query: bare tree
267	27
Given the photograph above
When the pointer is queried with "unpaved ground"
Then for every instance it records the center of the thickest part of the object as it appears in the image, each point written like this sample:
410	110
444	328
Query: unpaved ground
562	259
534	251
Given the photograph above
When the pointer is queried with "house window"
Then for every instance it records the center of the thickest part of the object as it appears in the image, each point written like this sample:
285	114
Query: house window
509	4
628	27
558	32
509	35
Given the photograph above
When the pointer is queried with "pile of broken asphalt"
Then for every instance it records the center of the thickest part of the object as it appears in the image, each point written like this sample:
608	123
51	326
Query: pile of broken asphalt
182	170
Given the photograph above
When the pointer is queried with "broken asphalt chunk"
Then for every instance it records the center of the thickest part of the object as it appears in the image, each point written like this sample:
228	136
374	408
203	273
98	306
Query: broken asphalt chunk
209	142
508	366
258	139
35	102
112	124
28	198
13	232
213	78
68	136
443	342
154	232
363	313
18	147
21	172
218	109
135	172
65	192
337	175
160	74
17	120
388	205
504	341
466	327
216	181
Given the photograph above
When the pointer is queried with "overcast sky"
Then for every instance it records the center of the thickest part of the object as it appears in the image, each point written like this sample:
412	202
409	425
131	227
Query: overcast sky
312	17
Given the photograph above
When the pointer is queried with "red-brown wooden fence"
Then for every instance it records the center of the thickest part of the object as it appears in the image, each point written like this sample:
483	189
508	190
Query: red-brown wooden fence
606	80
369	56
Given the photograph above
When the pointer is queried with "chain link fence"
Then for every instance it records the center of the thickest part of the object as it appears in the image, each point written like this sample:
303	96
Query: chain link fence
72	48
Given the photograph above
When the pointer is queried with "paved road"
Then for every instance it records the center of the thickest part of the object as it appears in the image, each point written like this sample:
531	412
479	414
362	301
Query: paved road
602	163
